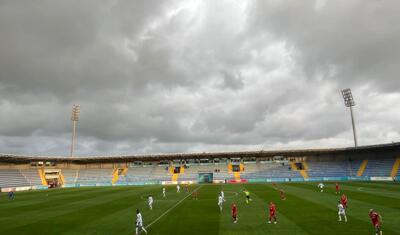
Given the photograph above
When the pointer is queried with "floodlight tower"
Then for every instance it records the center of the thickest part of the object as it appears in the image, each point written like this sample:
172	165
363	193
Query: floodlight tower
74	118
349	102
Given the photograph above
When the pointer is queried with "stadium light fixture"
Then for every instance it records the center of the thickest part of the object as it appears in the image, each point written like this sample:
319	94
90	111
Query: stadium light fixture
76	109
349	102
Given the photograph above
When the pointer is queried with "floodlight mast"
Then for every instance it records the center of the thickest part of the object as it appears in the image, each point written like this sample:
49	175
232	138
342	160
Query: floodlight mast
349	102
74	118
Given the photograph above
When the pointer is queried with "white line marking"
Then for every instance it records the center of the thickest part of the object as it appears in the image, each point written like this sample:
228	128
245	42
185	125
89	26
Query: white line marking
162	215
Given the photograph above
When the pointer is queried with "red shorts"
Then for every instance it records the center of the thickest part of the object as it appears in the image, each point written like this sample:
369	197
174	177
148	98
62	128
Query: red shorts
271	214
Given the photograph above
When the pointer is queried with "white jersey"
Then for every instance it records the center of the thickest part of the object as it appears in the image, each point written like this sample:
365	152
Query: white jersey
163	190
151	200
220	200
341	209
139	220
222	194
178	188
321	185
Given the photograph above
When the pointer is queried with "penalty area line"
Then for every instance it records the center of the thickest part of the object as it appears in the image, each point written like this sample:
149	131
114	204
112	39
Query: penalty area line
171	208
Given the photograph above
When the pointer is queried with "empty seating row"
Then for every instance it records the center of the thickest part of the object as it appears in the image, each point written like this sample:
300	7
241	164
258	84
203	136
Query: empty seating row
330	169
12	178
90	176
32	176
379	167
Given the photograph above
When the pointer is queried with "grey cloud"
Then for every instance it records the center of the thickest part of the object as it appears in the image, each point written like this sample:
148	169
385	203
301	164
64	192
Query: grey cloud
232	81
357	39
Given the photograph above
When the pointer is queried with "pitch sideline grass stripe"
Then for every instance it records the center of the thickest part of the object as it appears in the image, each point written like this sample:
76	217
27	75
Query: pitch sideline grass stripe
166	212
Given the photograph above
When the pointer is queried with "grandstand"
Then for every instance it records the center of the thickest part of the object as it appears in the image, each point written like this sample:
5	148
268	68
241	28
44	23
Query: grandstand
256	166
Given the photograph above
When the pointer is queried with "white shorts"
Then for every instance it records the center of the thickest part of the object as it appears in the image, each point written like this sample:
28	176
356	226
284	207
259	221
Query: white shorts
341	213
219	203
139	225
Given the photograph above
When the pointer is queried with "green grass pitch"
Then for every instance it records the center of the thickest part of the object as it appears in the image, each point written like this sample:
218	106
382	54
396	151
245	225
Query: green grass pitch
111	210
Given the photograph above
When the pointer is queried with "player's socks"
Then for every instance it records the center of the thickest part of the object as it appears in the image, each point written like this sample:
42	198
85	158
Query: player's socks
137	230
144	230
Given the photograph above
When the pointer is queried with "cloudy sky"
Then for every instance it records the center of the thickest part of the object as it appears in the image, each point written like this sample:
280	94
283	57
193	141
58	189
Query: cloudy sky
191	76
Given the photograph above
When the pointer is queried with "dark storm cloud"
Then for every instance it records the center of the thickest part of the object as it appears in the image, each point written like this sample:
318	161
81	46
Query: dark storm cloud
173	76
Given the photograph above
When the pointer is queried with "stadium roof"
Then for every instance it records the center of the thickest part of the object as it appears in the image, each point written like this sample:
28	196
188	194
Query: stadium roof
209	155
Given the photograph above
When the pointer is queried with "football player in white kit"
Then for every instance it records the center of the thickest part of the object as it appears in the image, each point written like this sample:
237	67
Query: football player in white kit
223	195
341	212
178	188
139	223
151	200
163	192
321	186
220	202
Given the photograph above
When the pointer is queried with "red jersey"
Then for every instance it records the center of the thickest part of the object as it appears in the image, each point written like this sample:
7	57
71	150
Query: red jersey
337	186
344	199
234	210
272	209
374	218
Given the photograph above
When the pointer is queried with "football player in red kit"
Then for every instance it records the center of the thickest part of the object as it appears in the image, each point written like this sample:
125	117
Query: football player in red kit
376	221
337	188
234	212
272	213
343	200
